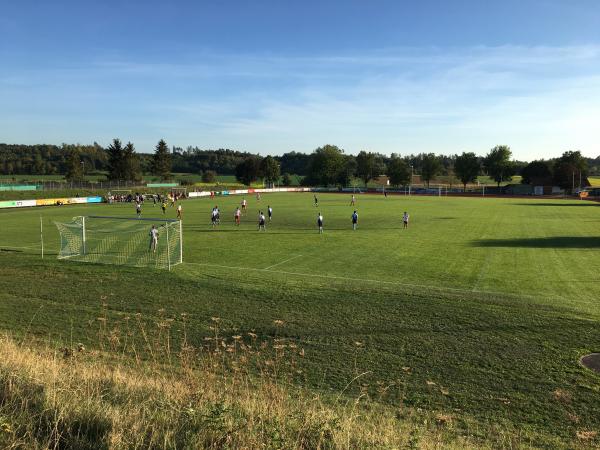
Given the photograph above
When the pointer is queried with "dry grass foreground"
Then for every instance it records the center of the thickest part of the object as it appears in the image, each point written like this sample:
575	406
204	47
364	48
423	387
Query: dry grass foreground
136	390
232	393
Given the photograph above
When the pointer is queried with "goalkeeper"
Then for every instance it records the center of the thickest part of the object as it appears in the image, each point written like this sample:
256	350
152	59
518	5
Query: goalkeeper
153	238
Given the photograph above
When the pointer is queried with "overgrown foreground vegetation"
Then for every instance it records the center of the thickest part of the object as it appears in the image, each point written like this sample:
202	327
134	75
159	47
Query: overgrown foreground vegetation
205	398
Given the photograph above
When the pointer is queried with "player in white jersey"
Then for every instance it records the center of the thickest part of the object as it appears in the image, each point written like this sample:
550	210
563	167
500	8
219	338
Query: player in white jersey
353	201
153	238
405	218
269	212
244	205
320	222
261	221
237	216
179	212
138	209
214	217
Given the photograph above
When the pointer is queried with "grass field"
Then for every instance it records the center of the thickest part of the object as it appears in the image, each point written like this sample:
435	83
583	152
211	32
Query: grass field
481	309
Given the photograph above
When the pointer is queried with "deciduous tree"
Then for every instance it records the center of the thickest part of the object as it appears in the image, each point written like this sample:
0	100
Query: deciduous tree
498	165
466	168
398	172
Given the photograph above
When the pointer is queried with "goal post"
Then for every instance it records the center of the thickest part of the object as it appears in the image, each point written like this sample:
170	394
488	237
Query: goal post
121	241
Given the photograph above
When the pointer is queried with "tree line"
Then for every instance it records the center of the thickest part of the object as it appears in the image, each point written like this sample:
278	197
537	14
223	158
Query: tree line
328	165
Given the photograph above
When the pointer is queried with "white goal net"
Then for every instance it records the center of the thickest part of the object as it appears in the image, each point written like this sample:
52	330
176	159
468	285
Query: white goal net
122	241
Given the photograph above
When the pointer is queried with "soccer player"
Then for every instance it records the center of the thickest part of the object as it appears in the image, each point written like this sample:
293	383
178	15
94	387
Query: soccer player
261	221
179	212
270	212
138	209
354	220
258	196
244	204
352	201
320	222
405	217
164	206
153	238
214	217
316	201
237	216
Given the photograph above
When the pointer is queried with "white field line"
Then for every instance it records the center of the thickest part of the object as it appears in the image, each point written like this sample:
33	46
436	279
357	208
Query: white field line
363	280
282	262
10	246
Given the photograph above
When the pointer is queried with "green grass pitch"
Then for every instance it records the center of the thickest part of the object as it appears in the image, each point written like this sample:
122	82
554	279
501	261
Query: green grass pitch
481	308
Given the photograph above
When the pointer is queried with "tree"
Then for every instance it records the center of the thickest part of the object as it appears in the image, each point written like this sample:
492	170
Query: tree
466	168
74	167
248	170
498	164
269	168
115	160
161	161
536	171
131	164
398	172
209	176
569	169
286	179
365	166
430	167
327	166
348	171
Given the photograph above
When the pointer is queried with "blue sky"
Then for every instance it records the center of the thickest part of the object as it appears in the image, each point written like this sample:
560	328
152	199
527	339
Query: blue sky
276	76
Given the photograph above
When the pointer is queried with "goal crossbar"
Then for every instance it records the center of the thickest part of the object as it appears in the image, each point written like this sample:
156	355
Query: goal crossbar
157	219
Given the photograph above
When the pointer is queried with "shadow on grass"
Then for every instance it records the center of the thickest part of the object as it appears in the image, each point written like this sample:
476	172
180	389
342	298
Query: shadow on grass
546	242
557	204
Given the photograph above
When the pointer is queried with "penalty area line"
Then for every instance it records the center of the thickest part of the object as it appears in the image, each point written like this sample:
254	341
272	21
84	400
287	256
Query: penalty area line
282	262
362	280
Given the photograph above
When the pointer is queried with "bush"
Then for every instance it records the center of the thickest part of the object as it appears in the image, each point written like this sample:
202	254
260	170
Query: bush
209	176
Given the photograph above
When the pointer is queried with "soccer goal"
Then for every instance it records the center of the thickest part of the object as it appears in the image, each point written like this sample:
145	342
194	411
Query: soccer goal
121	241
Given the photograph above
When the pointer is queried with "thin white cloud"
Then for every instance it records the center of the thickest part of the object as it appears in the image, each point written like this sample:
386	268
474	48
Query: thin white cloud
539	100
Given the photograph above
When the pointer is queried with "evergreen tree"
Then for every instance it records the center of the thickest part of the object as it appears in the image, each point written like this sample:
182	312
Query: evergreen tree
131	163
161	162
115	160
74	169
